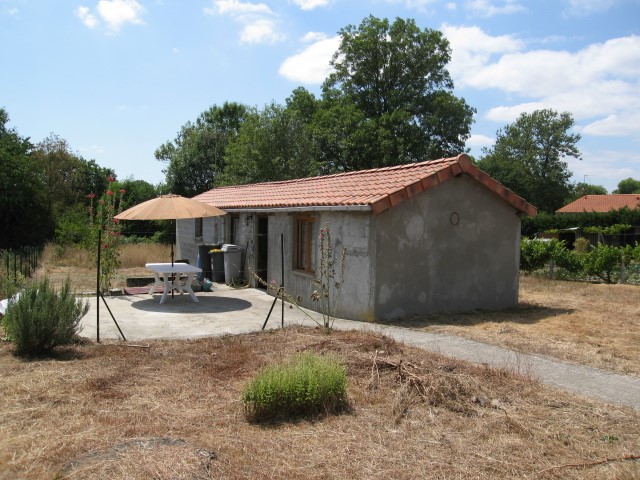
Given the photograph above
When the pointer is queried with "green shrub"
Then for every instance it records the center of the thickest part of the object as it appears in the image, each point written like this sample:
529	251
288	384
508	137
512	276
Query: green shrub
569	260
603	261
534	254
306	385
616	229
581	245
41	318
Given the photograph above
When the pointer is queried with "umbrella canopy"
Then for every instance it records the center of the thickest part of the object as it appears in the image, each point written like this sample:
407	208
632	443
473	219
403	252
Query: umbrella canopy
169	207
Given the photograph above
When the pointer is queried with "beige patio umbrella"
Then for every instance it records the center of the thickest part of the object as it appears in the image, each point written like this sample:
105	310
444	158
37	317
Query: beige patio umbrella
169	207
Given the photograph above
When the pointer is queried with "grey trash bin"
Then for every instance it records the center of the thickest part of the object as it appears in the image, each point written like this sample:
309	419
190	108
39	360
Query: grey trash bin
232	263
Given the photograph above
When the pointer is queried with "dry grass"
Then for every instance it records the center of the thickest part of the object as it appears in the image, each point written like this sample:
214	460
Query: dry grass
78	264
173	411
591	324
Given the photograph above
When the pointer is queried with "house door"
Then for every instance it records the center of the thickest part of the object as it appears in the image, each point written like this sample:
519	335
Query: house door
262	250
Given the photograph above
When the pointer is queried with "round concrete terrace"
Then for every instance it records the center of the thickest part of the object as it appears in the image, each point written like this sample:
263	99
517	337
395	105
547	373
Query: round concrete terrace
229	311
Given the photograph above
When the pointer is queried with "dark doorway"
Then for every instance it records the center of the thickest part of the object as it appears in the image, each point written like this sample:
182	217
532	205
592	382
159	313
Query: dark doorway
262	263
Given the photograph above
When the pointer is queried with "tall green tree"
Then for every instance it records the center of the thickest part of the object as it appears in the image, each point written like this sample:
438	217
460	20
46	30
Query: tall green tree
628	185
389	99
529	157
25	215
275	143
196	157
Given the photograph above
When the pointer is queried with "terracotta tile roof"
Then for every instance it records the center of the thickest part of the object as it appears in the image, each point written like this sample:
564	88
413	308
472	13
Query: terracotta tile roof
602	203
378	189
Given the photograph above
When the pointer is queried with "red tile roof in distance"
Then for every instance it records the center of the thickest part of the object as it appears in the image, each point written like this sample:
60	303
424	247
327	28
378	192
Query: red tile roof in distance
379	189
602	203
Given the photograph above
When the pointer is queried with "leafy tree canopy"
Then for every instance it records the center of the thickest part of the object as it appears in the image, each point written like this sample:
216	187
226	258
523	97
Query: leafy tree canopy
528	157
628	185
389	99
25	215
196	157
275	143
581	189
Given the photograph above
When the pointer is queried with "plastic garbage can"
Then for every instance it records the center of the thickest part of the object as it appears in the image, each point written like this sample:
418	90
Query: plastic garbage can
232	263
205	260
217	264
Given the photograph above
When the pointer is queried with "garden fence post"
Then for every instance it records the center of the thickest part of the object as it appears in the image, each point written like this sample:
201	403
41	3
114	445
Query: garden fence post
98	288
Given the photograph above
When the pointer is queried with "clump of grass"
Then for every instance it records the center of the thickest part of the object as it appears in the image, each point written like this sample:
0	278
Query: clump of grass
304	386
42	318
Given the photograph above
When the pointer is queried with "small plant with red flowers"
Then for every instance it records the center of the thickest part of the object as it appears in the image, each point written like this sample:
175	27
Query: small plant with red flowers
104	226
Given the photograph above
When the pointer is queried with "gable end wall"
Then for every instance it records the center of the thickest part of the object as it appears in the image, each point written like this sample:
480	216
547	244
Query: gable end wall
427	263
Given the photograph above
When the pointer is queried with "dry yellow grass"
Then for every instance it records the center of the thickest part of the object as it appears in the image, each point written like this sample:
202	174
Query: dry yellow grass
591	324
78	264
173	411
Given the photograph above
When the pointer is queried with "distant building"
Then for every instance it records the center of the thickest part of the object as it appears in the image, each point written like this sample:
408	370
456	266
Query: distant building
602	203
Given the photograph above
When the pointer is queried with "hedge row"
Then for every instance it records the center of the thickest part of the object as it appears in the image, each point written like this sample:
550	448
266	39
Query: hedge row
602	262
548	221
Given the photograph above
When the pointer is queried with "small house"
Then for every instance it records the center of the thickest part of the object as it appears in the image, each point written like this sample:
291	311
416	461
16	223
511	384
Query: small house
420	238
602	203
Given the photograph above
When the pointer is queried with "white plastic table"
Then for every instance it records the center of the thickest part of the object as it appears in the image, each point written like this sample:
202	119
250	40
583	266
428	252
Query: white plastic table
175	270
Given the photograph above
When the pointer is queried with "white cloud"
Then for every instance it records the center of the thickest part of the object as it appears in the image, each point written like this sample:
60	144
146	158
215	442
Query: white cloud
487	8
236	8
479	141
508	114
420	5
614	125
116	13
311	65
314	37
260	31
258	22
599	84
588	7
472	49
451	6
311	4
85	16
605	167
10	11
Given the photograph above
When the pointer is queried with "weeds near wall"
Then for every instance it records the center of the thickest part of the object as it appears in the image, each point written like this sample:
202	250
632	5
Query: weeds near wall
329	279
327	283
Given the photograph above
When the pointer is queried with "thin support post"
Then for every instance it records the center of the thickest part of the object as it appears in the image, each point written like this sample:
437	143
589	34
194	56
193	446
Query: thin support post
269	314
114	318
98	288
282	271
280	290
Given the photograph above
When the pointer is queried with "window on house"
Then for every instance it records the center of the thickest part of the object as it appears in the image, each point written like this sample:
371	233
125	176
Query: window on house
198	228
234	234
306	241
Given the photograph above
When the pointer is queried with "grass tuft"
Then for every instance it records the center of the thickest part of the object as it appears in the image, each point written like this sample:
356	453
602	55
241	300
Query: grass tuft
306	385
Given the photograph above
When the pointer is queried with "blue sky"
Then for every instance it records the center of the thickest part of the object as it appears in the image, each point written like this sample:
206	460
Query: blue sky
117	78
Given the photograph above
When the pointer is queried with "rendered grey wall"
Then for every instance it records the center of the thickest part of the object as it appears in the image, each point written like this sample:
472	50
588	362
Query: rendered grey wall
213	231
349	229
454	247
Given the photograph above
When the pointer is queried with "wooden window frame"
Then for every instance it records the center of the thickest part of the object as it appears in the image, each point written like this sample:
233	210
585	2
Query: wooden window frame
306	223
